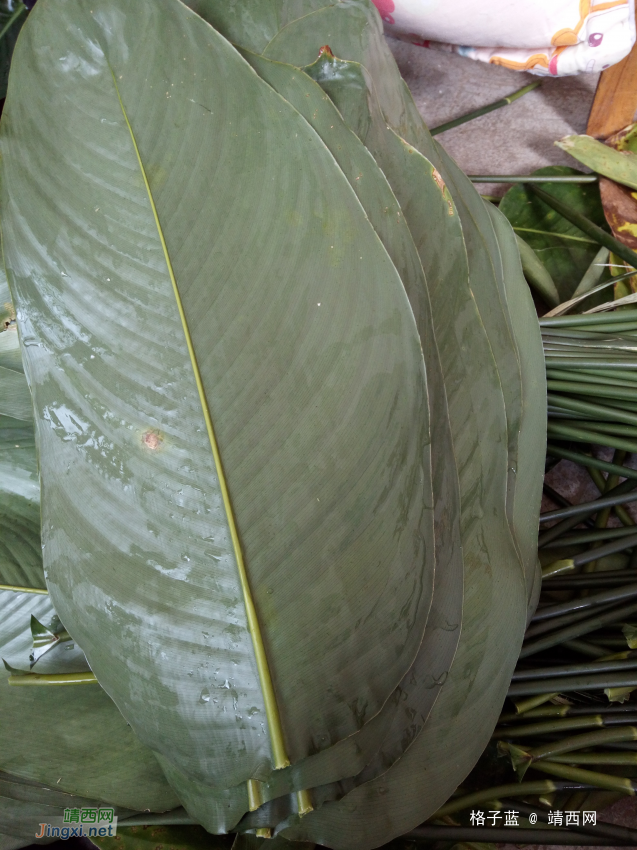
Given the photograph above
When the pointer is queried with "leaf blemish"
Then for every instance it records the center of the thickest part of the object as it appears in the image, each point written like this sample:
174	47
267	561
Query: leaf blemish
440	183
152	440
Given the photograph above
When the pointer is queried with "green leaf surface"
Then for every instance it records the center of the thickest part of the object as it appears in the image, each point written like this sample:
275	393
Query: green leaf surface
619	165
293	31
252	24
435	227
377	811
384	212
337	823
314	382
396	724
70	738
537	274
563	249
421	685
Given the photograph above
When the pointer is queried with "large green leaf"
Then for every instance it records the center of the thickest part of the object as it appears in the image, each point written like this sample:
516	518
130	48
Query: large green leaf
309	363
71	738
425	202
421	685
399	720
399	800
563	248
292	31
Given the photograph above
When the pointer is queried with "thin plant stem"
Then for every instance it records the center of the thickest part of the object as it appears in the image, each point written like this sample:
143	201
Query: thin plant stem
514	789
621	495
580	363
532	178
578	774
602	518
530	703
540	711
620	512
567	711
582	434
576	630
585	648
14	17
575	669
565	619
622	574
19	589
560	528
594	410
590	320
592	389
581	742
592	536
562	724
575	683
484	110
596	758
604	596
556	497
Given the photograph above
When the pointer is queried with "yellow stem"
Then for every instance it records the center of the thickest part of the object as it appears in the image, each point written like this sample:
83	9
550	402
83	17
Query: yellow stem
54	679
17	589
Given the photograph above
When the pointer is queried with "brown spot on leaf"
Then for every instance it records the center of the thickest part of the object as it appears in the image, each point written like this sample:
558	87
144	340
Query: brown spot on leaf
326	51
440	183
152	440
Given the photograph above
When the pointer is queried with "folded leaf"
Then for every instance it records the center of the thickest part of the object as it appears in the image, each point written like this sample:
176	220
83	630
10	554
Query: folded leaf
619	165
70	738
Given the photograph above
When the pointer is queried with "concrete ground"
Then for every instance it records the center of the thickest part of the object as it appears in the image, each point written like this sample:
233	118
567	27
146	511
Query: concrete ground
514	140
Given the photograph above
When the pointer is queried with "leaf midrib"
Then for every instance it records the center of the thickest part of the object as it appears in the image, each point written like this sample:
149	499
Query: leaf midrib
279	752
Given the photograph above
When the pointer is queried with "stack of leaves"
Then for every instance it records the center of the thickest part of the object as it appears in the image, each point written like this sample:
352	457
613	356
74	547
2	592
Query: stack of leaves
289	405
572	712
